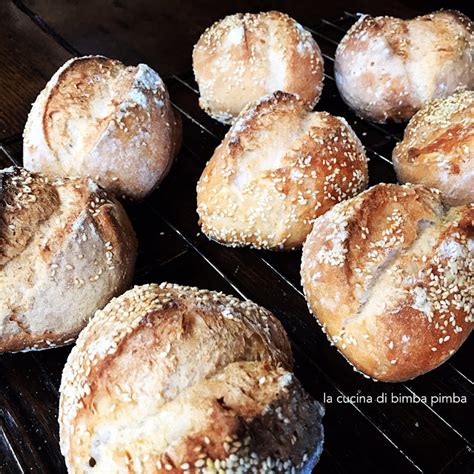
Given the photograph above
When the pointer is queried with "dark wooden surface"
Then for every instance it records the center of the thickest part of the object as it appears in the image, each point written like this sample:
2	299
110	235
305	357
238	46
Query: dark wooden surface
36	37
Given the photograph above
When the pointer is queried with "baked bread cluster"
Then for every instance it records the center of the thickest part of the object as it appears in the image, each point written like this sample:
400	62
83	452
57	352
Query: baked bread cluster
387	68
98	118
389	276
278	168
66	248
175	379
437	149
167	378
246	56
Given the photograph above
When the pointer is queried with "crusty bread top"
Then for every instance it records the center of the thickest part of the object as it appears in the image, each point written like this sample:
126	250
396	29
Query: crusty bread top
26	200
174	379
389	275
277	169
66	247
395	28
440	125
448	25
244	56
112	326
387	67
84	96
438	147
101	119
70	101
193	334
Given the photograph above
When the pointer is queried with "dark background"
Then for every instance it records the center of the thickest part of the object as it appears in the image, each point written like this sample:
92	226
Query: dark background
36	37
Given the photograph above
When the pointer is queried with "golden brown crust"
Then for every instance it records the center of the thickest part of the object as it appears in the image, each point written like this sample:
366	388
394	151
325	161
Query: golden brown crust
278	168
437	149
71	91
207	374
71	248
25	202
245	56
387	68
388	275
98	118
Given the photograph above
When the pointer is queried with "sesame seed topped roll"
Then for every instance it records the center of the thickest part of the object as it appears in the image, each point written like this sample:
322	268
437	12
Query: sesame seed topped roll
245	56
389	276
386	68
279	167
66	248
175	379
100	119
437	149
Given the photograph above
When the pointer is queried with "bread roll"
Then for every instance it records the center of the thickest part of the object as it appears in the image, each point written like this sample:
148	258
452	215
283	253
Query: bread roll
387	68
98	118
245	56
175	379
66	248
389	276
437	149
279	167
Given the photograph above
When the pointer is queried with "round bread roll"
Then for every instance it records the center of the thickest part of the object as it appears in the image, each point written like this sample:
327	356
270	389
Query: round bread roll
279	167
389	276
245	56
98	118
387	68
174	379
437	149
66	248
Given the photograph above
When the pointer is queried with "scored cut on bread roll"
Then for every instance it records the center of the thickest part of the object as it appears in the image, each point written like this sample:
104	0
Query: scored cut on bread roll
174	379
278	168
389	276
98	118
245	56
386	68
437	149
66	248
